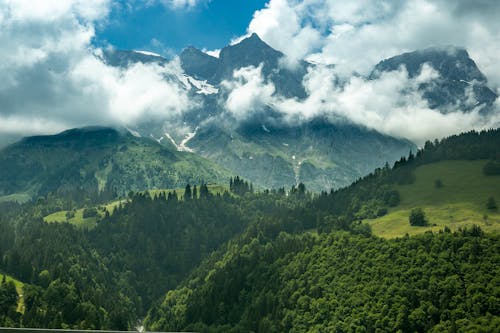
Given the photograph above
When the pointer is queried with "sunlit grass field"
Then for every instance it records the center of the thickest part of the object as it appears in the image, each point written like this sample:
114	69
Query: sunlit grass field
459	203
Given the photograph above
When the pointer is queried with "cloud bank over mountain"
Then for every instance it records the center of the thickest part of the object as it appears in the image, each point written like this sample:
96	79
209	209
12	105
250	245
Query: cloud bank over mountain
53	77
355	35
391	104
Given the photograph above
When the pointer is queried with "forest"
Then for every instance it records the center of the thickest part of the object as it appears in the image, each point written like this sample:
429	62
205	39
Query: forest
253	261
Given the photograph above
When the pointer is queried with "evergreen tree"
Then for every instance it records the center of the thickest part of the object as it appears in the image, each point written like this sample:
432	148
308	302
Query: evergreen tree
187	193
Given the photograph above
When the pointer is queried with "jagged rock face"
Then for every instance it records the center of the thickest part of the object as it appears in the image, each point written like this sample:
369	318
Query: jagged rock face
251	51
198	64
460	84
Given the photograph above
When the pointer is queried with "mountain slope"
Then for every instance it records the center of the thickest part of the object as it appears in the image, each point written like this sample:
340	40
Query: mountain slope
96	159
269	150
319	268
460	199
460	84
319	154
341	283
251	51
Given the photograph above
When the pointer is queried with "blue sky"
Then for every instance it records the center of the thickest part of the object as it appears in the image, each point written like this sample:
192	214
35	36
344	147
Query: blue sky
166	30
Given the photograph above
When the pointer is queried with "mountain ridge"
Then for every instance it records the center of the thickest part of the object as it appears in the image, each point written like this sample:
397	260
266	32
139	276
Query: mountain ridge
97	159
457	74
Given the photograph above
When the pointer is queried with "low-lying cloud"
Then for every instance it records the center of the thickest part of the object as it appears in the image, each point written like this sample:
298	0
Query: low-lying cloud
355	35
52	78
391	104
248	93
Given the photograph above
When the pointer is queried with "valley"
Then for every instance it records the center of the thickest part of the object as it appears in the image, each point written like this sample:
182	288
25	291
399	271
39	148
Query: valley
318	252
259	166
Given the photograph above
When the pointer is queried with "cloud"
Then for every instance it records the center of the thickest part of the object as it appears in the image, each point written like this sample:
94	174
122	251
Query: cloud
248	93
391	104
281	24
52	78
180	4
214	53
355	35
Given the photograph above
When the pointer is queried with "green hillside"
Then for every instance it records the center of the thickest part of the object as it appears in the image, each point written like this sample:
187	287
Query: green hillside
97	163
19	289
318	154
271	261
459	202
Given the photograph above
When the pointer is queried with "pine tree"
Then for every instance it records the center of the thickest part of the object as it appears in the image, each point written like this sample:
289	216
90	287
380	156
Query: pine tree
187	193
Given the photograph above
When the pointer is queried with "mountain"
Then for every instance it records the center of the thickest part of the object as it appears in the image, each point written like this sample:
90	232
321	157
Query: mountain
96	159
270	151
460	84
317	153
266	149
251	51
198	64
318	267
123	58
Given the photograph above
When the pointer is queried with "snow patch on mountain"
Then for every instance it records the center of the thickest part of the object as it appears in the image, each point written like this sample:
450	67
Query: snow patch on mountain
183	145
203	87
148	53
154	138
134	133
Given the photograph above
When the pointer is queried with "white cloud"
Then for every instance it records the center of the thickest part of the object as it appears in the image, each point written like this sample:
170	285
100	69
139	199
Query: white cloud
53	10
182	3
247	92
213	53
392	104
135	93
281	25
355	35
51	78
21	125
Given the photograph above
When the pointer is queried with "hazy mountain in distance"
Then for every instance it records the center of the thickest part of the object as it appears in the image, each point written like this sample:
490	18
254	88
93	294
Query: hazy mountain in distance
460	85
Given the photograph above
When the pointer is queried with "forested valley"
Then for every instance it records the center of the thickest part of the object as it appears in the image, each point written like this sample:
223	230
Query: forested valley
245	260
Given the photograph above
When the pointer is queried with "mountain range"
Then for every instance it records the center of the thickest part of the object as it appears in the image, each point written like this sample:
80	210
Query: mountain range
270	151
264	148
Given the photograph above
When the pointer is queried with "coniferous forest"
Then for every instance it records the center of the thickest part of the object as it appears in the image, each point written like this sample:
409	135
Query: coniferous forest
247	260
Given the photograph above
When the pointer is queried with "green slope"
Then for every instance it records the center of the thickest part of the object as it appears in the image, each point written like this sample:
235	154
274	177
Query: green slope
460	202
19	288
319	154
97	159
